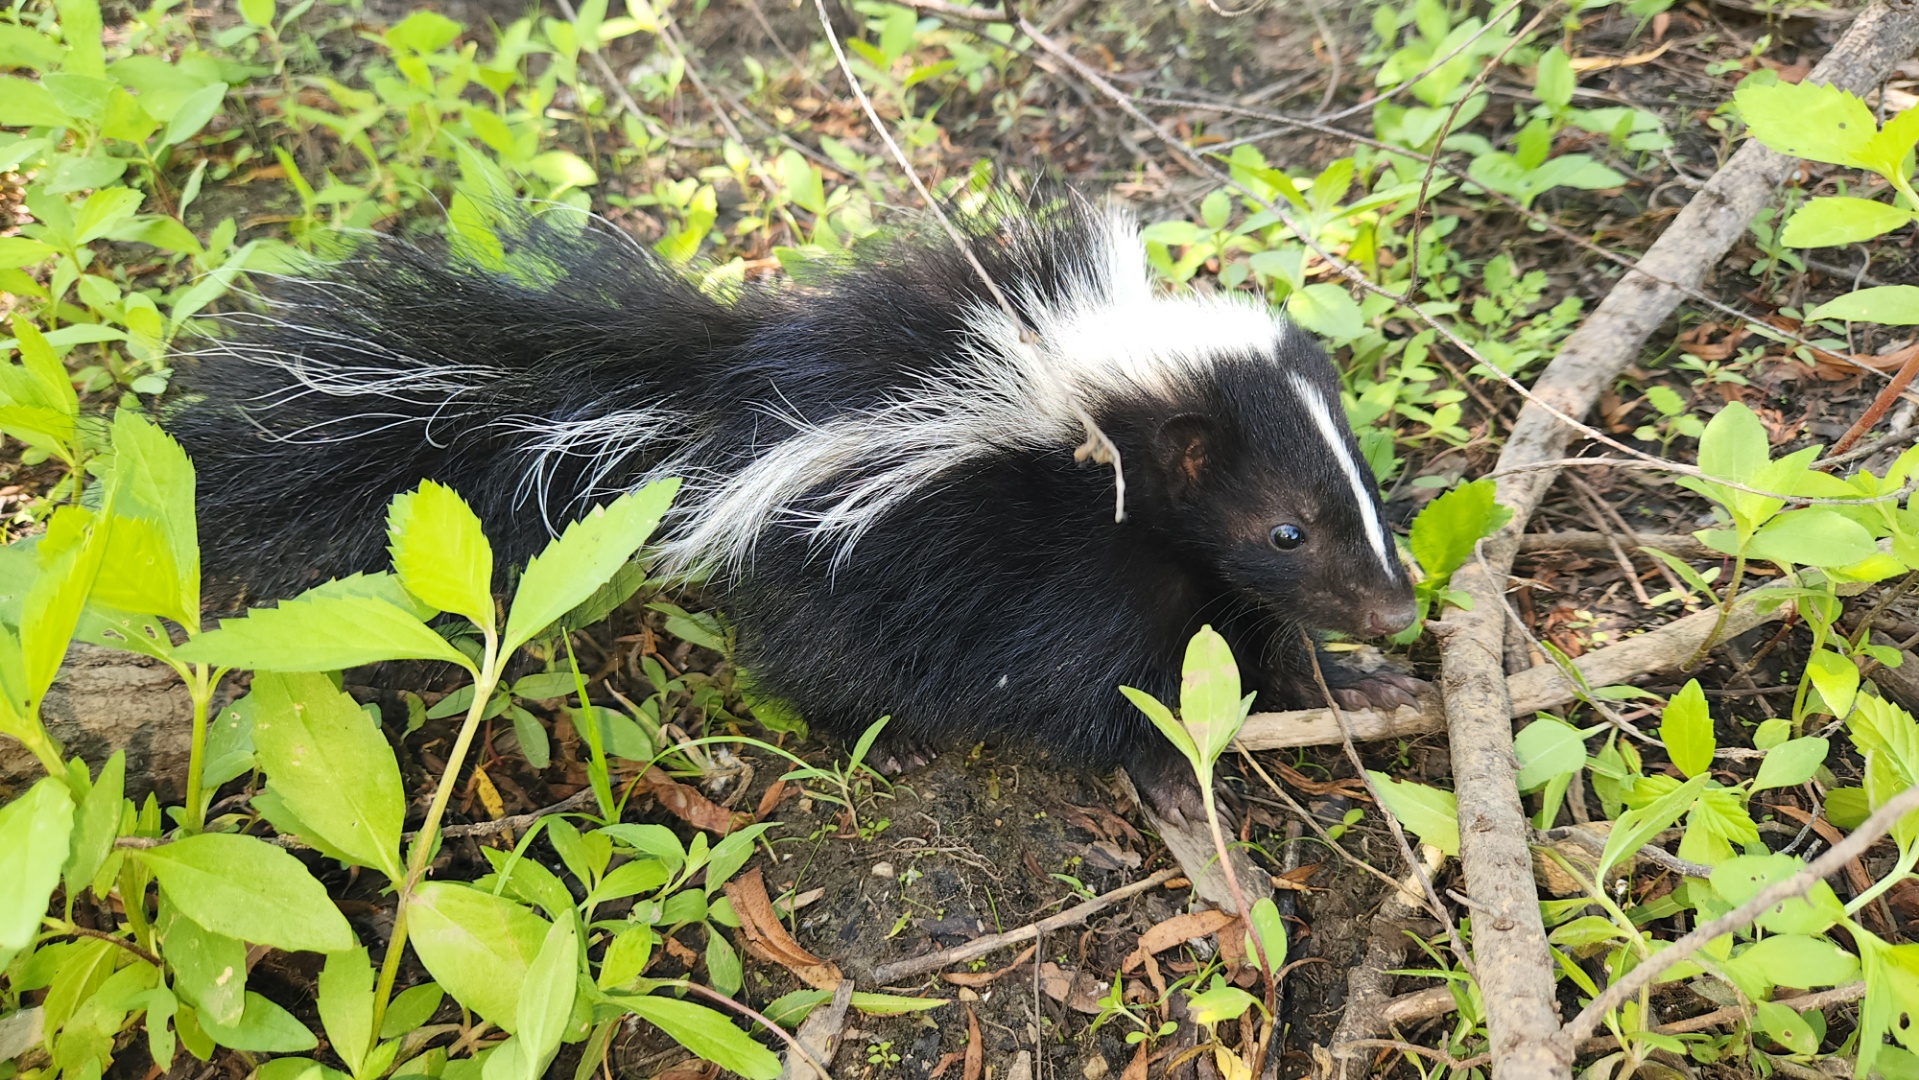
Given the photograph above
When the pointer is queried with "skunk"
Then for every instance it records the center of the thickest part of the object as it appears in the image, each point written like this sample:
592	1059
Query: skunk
880	477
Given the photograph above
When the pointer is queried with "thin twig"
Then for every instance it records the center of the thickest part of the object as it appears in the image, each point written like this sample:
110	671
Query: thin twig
1392	820
915	966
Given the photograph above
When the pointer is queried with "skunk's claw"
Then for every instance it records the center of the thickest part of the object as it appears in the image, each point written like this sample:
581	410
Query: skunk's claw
1384	690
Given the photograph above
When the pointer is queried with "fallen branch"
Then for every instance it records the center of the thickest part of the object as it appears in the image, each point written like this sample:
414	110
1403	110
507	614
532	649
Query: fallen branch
1517	977
915	966
1542	687
1369	983
1595	543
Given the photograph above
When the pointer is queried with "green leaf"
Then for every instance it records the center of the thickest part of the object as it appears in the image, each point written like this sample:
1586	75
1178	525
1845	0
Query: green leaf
411	1008
1553	81
257	12
346	1005
82	31
1791	763
199	107
324	633
96	824
264	1028
153	479
1841	220
704	1032
1812	536
34	830
1783	1025
331	766
546	998
1211	707
423	31
440	552
1809	120
27	104
1734	445
1271	930
1431	813
69	554
1219	1003
103	210
1836	678
1548	749
1327	309
1743	877
1686	728
1637	826
477	946
583	558
804	184
1800	961
1891	305
248	889
564	170
1444	534
209	969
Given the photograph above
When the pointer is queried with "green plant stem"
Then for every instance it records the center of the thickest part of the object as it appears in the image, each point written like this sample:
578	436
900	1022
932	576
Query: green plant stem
485	679
1271	976
1908	858
200	688
1725	612
46	749
597	771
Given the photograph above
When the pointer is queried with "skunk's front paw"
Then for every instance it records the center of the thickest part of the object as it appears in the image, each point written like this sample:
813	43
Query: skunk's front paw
891	755
1385	690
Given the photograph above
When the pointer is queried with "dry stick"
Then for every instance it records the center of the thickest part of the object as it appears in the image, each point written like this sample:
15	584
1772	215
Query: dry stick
1592	543
1887	394
1368	984
1649	969
915	966
1536	688
1517	973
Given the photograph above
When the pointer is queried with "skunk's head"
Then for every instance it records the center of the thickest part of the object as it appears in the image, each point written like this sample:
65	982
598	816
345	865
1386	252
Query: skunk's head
1256	472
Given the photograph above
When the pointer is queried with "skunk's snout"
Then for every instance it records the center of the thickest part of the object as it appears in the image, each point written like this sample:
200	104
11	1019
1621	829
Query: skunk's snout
1389	618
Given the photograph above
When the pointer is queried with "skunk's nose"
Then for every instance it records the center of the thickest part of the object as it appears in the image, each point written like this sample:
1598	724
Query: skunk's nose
1390	618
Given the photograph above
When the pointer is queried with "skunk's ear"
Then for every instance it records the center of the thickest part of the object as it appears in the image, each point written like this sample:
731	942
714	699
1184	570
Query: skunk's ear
1186	447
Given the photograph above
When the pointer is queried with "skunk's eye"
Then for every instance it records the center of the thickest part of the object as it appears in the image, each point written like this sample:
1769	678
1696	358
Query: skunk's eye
1287	537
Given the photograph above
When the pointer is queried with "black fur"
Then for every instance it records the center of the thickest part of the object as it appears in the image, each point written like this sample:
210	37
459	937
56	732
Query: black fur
1001	601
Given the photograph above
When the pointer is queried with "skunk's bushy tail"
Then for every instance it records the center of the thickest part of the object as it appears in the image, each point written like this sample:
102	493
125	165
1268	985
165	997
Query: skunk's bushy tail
524	379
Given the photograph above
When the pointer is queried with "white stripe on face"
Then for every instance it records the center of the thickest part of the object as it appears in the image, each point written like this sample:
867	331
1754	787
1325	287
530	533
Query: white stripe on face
1321	412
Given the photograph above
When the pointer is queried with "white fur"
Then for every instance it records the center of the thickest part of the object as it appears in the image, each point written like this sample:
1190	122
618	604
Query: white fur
1113	336
1321	411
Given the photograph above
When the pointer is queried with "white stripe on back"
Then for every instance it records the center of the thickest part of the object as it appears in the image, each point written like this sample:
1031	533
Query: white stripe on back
1320	410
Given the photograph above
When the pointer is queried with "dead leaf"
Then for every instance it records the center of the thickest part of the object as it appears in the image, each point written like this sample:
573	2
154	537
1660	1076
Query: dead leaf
688	804
1070	988
771	799
488	794
1583	64
762	934
1348	788
1136	1068
1295	879
975	1048
976	979
1178	929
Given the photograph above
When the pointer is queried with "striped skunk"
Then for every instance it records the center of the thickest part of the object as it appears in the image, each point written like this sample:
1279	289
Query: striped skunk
880	474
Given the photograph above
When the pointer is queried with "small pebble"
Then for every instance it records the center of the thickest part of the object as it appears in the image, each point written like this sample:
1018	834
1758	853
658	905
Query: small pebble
883	869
